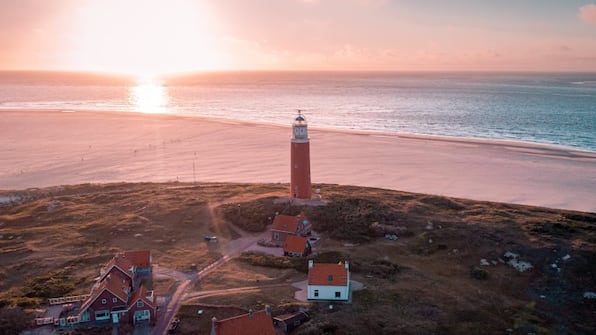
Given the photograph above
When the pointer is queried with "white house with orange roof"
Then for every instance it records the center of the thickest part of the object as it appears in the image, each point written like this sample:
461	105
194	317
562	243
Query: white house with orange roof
328	282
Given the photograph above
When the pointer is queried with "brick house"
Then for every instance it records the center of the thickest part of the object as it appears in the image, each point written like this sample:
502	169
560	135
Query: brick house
108	300
252	323
285	225
141	306
329	282
297	246
119	295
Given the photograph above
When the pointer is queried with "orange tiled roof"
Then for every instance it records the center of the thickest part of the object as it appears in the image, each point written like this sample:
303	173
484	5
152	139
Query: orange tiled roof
259	324
328	274
288	223
141	293
285	223
295	244
116	283
120	262
138	258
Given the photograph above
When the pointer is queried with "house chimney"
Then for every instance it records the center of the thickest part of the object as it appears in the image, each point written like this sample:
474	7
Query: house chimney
268	310
311	263
213	326
250	313
347	265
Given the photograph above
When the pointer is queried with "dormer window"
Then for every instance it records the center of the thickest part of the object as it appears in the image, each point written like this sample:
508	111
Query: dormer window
330	277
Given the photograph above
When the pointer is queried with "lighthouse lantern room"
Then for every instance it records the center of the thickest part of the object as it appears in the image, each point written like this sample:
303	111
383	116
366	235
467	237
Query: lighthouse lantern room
300	187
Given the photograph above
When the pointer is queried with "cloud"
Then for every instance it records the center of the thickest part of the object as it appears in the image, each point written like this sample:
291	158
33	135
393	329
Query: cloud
588	13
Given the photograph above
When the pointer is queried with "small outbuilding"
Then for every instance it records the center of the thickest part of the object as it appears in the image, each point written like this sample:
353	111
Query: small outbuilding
289	322
297	246
328	282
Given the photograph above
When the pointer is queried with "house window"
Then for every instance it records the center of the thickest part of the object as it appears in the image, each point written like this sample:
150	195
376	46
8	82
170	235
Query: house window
84	316
337	294
104	301
140	303
102	315
316	293
114	300
276	236
330	278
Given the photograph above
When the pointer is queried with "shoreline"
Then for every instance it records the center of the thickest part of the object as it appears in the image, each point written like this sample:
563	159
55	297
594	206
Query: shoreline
43	148
430	137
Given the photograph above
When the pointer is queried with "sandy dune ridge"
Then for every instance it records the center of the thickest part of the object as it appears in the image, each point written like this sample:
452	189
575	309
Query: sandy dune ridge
46	148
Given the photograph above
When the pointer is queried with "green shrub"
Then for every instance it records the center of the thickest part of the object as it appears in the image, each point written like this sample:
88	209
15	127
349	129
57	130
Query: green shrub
48	285
254	216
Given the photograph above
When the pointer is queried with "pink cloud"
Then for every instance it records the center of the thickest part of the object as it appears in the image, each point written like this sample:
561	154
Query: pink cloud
588	13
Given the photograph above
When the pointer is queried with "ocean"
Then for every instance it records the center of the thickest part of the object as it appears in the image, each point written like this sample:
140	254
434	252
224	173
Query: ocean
548	108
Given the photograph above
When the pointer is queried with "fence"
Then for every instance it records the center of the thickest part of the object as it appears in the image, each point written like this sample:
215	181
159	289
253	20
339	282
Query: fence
65	300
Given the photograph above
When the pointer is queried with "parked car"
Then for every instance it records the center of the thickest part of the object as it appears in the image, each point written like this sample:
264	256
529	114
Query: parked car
210	238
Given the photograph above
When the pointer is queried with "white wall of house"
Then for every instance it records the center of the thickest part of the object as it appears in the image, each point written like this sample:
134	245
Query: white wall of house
325	292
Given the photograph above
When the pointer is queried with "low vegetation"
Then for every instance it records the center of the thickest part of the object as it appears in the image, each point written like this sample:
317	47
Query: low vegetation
425	278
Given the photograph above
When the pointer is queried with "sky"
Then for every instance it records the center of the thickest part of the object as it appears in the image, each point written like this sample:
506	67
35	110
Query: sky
148	37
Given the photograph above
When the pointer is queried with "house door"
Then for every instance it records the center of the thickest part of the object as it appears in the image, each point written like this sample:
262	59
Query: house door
142	315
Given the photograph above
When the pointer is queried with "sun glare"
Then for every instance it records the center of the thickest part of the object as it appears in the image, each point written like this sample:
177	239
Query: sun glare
149	96
145	37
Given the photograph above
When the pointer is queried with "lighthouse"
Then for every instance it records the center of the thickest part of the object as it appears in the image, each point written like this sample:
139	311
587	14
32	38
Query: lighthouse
300	159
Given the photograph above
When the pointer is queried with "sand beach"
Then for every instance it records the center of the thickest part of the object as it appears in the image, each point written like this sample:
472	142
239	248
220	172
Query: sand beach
40	148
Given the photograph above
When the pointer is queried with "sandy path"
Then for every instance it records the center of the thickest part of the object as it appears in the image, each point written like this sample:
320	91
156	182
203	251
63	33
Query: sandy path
45	148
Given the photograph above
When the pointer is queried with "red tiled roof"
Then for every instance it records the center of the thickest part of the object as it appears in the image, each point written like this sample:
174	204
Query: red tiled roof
295	244
141	293
113	282
122	263
328	274
288	223
285	223
138	258
117	284
260	324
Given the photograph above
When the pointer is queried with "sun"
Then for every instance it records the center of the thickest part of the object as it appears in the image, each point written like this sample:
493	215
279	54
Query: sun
145	37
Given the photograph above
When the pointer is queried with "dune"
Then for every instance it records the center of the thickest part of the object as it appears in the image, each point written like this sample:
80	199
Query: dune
48	148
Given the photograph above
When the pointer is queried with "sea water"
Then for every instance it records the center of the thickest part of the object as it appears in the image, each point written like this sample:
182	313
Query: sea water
549	108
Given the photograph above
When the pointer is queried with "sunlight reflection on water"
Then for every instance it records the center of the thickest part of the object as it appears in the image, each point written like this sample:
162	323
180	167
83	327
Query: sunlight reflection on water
149	96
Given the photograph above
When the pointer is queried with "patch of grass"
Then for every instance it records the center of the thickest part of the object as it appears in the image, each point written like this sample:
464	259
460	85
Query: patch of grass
526	320
48	285
256	300
350	218
252	216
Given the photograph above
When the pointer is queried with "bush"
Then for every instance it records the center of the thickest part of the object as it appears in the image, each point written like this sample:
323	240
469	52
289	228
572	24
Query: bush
254	216
350	218
48	285
478	273
271	261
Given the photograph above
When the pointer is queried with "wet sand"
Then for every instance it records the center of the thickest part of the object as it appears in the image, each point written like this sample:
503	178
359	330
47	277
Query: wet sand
47	148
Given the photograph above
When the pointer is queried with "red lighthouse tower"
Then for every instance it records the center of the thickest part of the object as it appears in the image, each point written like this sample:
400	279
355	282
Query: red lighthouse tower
300	159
